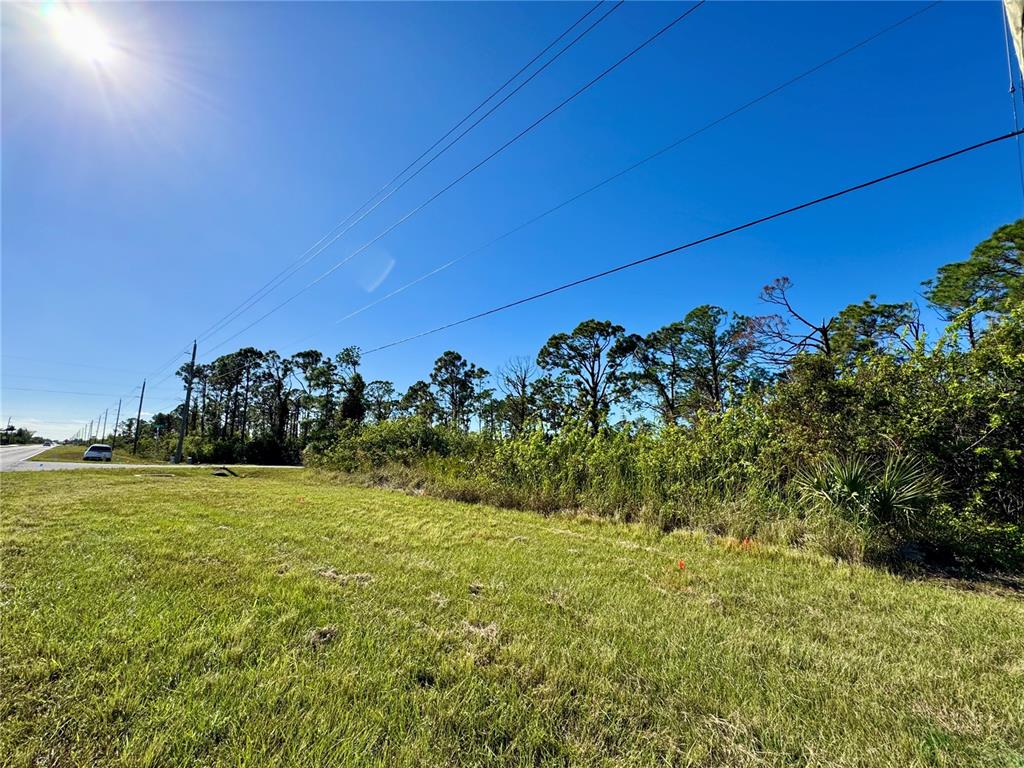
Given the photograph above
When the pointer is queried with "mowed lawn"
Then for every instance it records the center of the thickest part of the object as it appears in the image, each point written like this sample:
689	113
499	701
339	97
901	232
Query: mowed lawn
175	618
122	455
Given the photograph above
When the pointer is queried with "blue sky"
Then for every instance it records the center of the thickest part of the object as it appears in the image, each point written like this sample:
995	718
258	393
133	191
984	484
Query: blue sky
145	198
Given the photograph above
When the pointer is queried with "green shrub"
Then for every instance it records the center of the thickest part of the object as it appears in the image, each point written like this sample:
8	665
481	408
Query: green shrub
885	501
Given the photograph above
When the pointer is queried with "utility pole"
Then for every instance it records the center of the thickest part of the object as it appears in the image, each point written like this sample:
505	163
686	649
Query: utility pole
113	439
184	413
89	438
138	419
103	432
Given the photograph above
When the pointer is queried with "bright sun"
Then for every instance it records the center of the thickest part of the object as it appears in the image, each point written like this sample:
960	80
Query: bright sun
80	34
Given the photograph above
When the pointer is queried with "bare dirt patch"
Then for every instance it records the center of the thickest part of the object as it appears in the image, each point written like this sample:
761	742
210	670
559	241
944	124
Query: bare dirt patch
321	636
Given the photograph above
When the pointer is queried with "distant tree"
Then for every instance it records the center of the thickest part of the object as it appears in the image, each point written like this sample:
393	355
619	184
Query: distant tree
657	380
319	383
226	376
492	413
549	396
380	400
588	363
18	436
419	400
306	361
202	383
518	407
353	407
871	327
691	366
127	428
276	395
250	359
990	282
458	386
164	423
348	361
782	336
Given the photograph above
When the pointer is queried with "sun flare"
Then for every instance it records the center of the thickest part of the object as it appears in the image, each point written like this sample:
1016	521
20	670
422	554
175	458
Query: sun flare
80	35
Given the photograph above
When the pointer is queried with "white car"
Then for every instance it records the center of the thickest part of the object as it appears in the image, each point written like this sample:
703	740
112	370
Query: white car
98	452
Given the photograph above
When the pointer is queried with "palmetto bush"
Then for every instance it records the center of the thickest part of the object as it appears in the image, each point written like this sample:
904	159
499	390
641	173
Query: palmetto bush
887	498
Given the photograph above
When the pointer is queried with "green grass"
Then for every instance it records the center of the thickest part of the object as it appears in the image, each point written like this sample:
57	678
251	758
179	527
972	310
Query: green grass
175	618
122	455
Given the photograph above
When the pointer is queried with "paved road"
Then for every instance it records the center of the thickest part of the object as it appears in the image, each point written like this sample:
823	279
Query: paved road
11	455
18	458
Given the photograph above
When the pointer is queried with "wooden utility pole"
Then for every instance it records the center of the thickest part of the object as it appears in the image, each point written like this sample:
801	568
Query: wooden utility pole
184	413
113	439
138	419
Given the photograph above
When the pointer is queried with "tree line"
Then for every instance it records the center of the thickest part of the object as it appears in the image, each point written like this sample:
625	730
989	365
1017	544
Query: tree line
863	384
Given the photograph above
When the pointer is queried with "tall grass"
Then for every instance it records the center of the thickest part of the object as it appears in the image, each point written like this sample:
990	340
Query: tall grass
670	479
711	476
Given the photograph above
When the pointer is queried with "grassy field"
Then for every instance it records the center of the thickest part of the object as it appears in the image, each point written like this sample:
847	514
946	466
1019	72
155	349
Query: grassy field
122	455
173	618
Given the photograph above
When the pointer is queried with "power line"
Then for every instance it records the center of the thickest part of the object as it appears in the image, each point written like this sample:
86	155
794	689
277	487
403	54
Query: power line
303	260
471	170
654	155
315	250
667	148
52	421
699	241
451	130
658	153
172	361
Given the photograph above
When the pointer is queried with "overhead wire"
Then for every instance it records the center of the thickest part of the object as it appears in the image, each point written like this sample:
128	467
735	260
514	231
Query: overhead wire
658	153
634	166
699	241
468	172
1015	134
508	143
441	139
359	214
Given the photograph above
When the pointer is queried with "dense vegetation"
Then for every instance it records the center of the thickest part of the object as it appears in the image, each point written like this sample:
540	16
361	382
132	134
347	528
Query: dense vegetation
19	436
856	434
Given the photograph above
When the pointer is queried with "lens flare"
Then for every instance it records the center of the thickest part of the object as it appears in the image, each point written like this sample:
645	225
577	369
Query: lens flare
79	34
